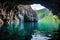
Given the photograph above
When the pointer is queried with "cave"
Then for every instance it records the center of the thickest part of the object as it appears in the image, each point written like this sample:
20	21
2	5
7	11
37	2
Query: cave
53	5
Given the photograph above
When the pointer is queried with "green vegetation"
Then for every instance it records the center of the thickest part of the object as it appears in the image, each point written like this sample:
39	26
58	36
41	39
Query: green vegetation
47	22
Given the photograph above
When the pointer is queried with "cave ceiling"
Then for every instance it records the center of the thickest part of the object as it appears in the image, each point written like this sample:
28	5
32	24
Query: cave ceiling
53	5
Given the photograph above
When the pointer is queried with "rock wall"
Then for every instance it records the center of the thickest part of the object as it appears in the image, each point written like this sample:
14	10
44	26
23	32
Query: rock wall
20	12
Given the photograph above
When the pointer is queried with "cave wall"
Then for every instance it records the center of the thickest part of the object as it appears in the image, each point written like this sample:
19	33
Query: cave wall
20	13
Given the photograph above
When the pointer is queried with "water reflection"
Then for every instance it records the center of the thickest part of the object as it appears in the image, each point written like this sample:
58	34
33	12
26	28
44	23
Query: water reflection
27	29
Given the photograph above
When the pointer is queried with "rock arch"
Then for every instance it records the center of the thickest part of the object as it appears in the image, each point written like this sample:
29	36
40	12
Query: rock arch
53	5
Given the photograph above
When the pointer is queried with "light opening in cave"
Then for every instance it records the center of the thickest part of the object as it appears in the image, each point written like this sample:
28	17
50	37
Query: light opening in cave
37	7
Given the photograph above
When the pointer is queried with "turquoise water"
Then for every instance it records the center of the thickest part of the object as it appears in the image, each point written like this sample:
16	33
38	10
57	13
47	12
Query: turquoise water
28	28
22	28
19	30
